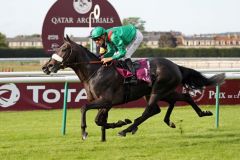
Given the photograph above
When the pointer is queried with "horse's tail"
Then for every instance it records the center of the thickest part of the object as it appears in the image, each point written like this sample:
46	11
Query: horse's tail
195	80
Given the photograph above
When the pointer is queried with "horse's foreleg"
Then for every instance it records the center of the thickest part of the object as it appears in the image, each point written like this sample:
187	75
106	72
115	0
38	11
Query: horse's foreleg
83	122
97	105
103	138
101	120
103	128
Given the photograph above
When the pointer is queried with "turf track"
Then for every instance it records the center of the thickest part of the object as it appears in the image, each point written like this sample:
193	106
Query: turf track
37	135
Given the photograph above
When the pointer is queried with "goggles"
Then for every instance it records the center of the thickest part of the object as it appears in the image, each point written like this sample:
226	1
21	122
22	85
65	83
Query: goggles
97	39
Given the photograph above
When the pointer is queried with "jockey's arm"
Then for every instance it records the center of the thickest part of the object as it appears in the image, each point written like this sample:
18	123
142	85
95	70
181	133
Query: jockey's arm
120	47
107	57
118	42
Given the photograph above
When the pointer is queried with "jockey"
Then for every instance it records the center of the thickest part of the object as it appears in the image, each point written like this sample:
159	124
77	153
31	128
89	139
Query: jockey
120	43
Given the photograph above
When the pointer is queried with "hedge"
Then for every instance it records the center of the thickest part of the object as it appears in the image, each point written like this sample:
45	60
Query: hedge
183	52
22	53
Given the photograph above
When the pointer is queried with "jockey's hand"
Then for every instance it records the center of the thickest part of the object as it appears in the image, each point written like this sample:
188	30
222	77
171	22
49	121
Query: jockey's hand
105	60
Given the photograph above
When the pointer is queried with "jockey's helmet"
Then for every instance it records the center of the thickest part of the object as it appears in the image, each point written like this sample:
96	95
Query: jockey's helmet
97	32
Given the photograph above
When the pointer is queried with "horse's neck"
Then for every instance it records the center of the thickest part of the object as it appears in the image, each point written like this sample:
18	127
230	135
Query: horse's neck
85	73
85	70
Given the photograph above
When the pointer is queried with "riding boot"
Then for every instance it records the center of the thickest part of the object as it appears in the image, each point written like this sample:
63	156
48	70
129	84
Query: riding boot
133	79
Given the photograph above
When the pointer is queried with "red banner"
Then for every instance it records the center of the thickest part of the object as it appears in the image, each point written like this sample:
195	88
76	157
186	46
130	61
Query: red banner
50	96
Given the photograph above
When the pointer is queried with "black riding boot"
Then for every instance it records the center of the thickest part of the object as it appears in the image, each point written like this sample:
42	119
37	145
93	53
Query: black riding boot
133	79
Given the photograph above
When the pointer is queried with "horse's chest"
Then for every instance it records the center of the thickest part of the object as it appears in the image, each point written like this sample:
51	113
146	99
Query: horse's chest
90	93
95	91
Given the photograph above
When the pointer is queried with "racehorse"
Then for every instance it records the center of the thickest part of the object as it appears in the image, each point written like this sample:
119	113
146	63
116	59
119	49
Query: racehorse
105	87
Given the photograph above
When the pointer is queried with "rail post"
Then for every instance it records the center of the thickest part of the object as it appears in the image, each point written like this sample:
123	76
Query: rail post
217	105
65	108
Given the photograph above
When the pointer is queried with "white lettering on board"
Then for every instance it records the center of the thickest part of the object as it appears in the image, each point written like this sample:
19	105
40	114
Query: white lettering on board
55	94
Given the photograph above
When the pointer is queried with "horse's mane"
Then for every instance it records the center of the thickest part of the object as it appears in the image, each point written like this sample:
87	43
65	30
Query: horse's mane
89	52
75	45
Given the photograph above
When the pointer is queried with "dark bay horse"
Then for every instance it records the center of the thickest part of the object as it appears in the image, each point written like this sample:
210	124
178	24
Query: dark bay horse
105	88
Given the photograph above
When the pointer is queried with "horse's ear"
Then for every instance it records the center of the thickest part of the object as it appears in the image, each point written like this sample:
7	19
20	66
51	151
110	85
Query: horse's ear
64	39
68	39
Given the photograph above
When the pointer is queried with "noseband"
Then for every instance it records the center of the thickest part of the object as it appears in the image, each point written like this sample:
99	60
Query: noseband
62	60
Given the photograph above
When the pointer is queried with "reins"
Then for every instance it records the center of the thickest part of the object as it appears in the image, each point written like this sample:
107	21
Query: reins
77	63
90	62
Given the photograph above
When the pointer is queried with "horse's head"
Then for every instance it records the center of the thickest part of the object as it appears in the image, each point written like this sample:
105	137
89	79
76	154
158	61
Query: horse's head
61	58
72	55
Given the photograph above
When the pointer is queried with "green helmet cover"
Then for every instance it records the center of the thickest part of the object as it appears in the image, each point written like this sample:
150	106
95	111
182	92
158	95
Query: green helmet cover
97	32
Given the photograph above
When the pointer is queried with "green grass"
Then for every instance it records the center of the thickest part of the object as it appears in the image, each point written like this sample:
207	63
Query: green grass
20	66
37	135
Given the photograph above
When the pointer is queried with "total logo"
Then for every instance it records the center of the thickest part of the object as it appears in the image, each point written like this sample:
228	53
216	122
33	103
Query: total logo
54	95
9	95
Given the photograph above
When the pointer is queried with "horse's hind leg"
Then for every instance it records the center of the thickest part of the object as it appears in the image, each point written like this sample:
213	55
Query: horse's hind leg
162	88
168	114
187	98
151	109
171	99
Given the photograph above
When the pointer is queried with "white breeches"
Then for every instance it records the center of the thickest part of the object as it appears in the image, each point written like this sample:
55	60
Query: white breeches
132	47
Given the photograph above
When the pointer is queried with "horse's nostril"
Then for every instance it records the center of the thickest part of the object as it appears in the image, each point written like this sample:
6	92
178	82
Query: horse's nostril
44	68
50	65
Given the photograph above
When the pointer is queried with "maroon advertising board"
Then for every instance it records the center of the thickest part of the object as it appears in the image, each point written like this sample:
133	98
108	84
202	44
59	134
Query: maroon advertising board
34	96
76	13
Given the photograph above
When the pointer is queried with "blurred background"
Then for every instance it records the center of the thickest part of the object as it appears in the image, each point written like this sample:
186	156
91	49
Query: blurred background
197	34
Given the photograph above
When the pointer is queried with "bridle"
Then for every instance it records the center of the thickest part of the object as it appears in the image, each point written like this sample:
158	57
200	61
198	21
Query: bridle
62	61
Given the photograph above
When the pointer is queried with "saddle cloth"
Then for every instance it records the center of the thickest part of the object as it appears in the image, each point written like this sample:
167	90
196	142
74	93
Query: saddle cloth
142	67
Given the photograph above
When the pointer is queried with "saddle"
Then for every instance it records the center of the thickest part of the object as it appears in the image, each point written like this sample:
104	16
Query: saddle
141	67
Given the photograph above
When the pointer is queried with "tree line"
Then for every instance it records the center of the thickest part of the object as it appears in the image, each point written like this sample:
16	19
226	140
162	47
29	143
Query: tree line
3	41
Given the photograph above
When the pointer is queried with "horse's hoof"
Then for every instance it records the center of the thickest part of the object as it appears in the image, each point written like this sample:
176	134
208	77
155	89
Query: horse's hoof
122	134
128	121
208	113
205	113
84	136
172	125
134	130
